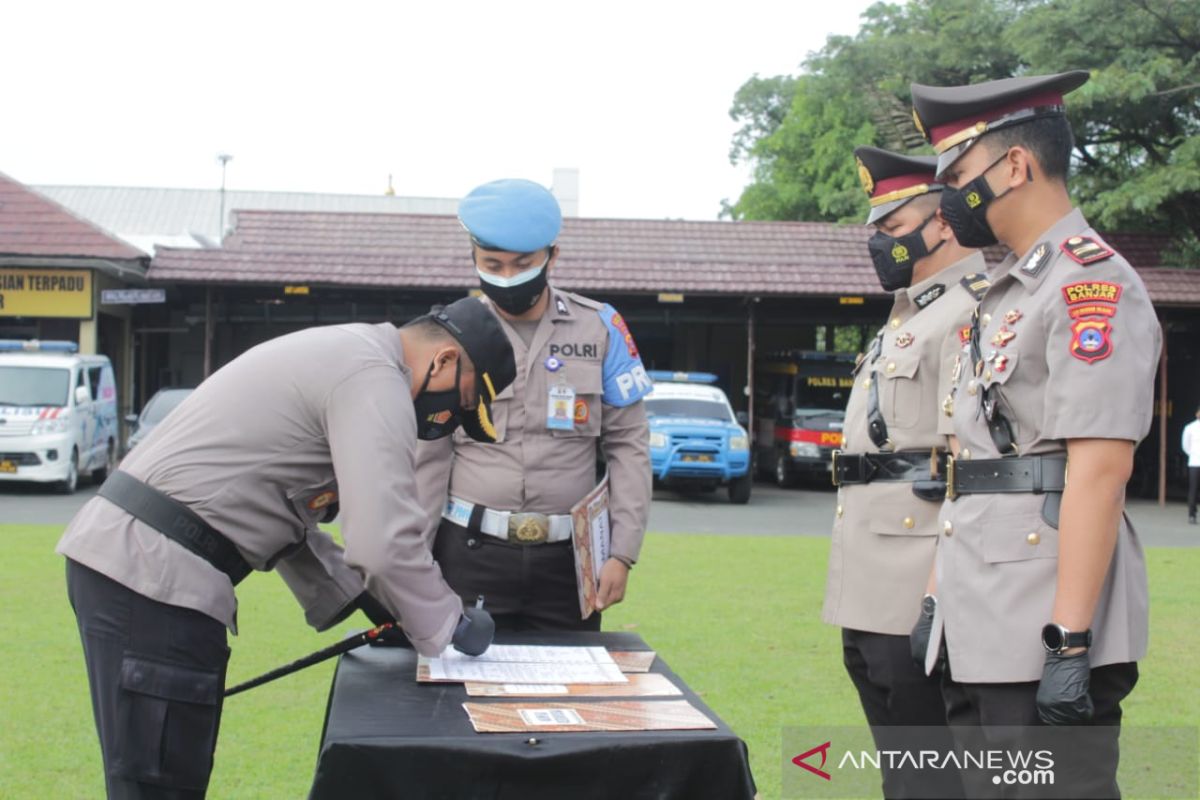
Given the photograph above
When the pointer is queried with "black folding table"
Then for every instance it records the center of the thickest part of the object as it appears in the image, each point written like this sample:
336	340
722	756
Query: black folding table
387	736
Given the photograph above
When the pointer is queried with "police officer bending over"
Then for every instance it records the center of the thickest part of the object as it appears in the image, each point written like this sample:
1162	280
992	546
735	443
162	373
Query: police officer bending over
506	529
236	479
1041	581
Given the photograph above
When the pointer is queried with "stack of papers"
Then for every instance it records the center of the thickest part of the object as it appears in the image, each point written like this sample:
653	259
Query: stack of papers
523	664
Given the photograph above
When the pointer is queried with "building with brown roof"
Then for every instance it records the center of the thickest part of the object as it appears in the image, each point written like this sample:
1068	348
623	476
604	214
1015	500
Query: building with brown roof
698	295
54	266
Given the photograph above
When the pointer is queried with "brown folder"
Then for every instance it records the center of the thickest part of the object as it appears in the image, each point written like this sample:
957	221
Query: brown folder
615	715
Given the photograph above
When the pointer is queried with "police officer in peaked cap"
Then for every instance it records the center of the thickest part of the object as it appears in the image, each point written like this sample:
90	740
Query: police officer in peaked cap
501	511
236	480
891	470
1041	581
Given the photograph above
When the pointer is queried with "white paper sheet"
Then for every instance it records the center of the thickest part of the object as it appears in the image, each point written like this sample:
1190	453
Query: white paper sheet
529	664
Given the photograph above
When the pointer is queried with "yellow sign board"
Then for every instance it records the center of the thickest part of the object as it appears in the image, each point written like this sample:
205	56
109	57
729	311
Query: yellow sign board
46	293
850	301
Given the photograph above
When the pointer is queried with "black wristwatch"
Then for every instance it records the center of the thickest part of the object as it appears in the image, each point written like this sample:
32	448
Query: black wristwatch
1056	638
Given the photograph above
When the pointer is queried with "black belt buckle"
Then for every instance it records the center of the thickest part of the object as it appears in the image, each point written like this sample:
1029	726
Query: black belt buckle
833	475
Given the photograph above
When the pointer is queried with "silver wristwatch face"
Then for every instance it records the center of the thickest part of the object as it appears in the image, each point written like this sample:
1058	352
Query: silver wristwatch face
1054	637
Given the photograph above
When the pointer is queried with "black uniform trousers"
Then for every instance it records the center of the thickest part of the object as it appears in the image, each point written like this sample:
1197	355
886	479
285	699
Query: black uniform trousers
1004	716
157	676
1193	483
525	587
895	693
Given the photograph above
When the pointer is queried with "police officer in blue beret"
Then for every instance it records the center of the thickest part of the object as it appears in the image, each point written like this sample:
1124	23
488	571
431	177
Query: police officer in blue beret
503	527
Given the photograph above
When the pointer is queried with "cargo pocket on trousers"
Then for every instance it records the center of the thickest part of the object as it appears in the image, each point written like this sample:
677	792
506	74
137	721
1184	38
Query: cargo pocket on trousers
167	716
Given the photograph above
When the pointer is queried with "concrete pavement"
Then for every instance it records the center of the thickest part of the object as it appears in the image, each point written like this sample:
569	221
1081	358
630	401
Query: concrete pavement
771	512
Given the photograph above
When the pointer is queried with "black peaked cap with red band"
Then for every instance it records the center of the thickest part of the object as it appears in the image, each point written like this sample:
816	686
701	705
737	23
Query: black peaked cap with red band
952	118
893	179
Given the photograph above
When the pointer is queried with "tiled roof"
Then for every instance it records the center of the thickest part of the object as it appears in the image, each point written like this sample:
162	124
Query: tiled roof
33	225
627	256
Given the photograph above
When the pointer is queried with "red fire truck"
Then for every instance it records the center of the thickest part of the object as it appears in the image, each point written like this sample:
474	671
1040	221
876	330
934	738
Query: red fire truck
800	403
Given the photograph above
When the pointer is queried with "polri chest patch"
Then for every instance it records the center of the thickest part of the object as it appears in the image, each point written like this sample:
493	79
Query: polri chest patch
562	350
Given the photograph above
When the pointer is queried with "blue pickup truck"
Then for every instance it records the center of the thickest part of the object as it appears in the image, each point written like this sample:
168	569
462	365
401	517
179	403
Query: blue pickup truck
695	438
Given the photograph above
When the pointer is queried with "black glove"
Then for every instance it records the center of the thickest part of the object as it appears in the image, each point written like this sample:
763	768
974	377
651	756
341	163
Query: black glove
373	609
1062	695
918	640
474	632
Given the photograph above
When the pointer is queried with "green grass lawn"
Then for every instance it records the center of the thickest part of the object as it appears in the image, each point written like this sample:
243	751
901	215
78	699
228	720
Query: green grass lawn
736	617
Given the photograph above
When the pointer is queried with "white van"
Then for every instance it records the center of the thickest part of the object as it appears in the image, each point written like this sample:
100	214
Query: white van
58	414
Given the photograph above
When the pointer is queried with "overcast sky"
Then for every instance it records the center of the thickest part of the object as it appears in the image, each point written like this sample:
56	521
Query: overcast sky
334	96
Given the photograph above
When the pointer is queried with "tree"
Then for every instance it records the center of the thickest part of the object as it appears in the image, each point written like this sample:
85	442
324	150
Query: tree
855	92
1137	121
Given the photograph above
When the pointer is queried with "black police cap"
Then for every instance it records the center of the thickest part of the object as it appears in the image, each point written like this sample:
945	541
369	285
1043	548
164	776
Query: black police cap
476	328
893	179
952	118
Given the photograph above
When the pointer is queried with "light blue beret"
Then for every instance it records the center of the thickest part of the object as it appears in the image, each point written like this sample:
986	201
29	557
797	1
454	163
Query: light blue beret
515	215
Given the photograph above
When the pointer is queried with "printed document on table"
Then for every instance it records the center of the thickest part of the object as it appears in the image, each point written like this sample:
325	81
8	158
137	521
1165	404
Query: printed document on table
527	664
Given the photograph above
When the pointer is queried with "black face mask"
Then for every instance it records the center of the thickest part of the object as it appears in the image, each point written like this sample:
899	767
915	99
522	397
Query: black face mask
965	209
894	256
515	298
437	412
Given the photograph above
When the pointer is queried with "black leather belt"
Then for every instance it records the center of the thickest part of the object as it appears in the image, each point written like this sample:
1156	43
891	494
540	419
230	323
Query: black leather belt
1024	475
854	468
175	521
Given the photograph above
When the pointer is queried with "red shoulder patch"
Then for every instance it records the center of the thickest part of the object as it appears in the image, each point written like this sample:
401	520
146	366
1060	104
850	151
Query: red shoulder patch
1085	250
619	323
1091	340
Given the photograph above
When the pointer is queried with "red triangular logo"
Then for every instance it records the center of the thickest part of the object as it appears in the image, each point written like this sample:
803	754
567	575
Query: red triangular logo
823	749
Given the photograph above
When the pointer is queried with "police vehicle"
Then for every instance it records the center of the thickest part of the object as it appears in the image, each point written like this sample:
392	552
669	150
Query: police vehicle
695	438
58	414
800	405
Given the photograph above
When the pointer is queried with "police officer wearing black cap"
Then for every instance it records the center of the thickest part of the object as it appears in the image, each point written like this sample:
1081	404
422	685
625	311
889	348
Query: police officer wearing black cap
1042	597
236	480
891	470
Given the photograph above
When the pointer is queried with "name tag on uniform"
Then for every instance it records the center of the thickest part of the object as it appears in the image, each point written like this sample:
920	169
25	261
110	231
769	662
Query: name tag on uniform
560	408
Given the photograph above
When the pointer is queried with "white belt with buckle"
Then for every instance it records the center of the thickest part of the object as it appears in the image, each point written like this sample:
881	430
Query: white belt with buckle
513	526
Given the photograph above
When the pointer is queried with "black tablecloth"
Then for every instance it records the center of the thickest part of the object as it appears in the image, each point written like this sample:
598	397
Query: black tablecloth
387	736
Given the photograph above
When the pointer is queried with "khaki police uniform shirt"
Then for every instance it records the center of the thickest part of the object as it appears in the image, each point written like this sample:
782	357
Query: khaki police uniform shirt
1073	349
259	451
535	469
884	536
